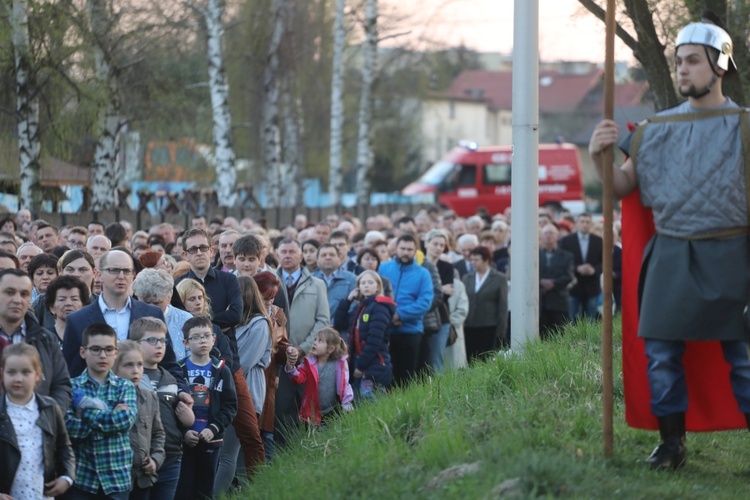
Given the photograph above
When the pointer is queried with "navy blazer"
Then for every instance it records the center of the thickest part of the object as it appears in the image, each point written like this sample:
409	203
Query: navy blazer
560	270
226	297
460	266
92	313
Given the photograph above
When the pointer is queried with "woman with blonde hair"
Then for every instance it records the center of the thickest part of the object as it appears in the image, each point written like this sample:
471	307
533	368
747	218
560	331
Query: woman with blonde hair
194	296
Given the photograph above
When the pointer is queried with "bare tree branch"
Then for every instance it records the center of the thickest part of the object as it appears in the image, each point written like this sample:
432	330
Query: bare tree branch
395	35
622	34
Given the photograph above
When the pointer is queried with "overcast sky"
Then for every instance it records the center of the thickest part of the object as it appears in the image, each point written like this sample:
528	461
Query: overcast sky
566	30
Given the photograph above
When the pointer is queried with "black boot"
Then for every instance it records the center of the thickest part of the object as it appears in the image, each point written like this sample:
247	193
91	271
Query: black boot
671	453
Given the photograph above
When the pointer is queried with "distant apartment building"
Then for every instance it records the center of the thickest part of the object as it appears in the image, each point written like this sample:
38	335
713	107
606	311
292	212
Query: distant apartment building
478	107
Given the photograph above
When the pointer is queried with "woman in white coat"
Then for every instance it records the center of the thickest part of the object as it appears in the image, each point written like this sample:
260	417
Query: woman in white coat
455	355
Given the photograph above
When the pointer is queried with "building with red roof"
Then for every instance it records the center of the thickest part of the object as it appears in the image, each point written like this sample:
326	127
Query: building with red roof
478	107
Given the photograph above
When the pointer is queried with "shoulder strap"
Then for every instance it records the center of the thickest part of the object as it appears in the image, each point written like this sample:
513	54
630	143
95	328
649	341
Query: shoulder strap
698	115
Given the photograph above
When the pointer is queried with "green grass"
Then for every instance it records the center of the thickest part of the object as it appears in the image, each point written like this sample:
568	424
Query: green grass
533	419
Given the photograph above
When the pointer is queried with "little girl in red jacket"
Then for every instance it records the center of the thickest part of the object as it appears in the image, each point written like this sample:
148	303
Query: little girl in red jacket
325	374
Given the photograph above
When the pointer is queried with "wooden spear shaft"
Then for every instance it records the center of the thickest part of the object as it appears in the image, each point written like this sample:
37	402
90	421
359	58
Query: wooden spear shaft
609	95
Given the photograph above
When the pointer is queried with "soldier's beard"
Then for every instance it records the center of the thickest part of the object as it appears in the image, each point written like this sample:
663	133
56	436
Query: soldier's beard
693	92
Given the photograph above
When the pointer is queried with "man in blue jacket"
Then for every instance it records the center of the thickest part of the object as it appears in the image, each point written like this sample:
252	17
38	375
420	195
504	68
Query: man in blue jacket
412	290
339	281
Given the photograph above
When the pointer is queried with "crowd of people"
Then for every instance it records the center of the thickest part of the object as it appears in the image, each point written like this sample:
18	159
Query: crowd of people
170	363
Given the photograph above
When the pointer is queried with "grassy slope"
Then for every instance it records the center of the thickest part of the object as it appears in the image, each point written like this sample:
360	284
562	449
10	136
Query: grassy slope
537	418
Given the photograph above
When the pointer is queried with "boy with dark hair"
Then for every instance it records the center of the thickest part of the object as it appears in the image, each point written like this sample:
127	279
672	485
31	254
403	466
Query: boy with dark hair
176	416
117	234
247	255
100	437
215	406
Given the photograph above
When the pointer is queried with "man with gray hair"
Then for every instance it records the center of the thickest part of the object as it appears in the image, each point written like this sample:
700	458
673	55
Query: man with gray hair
373	236
97	246
555	274
226	255
465	244
475	224
26	252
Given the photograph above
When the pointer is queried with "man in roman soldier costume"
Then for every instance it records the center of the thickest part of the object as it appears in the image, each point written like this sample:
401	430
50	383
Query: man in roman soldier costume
690	166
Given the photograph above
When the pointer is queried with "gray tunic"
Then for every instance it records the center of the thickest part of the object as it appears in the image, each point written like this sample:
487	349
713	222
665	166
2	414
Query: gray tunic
254	347
692	175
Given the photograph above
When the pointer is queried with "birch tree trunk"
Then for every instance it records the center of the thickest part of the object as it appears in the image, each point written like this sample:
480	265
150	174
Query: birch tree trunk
270	112
337	104
292	145
104	192
226	173
27	109
364	152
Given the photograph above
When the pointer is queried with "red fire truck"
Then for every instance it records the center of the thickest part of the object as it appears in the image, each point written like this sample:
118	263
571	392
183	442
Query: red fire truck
470	177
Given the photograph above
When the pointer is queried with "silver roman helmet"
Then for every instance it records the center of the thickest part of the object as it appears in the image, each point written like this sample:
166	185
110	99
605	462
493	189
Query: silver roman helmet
709	35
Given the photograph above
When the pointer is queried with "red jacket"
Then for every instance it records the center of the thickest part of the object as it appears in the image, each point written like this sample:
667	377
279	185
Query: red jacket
307	374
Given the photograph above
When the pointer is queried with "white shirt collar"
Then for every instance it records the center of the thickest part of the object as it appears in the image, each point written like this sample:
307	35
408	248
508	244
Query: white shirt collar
30	406
104	307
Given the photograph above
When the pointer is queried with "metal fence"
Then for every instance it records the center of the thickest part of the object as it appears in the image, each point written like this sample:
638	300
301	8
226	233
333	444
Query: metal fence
178	209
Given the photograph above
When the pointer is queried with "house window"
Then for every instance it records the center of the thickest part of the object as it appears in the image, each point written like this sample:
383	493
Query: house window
452	111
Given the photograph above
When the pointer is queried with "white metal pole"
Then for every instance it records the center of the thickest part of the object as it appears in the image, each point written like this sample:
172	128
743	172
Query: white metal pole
524	262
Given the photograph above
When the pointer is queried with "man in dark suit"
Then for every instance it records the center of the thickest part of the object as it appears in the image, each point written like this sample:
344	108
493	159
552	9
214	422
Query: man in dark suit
465	244
555	274
114	307
587	257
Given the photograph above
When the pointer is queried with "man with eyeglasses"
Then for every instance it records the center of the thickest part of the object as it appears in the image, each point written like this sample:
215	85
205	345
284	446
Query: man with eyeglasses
223	289
342	242
18	325
77	237
114	307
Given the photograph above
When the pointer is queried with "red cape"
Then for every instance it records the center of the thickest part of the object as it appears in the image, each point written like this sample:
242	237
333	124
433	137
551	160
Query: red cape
712	406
